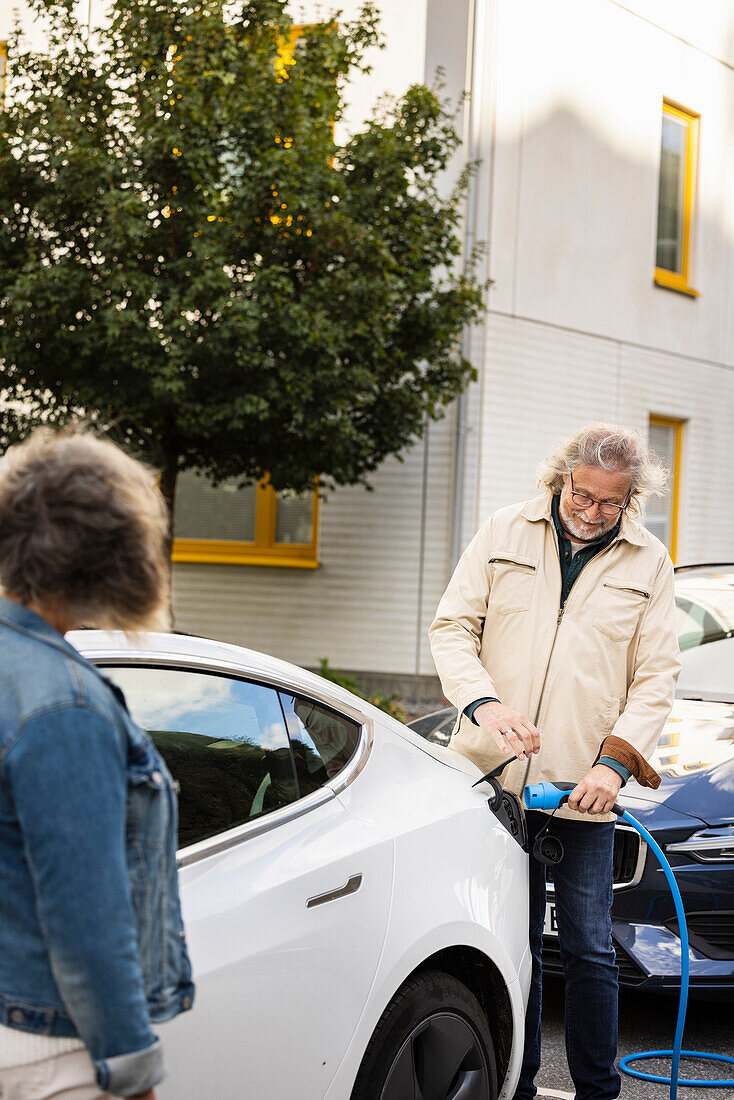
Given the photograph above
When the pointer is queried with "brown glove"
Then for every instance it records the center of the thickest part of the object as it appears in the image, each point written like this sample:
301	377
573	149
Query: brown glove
619	749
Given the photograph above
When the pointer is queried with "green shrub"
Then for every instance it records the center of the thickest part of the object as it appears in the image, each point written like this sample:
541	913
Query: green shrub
391	704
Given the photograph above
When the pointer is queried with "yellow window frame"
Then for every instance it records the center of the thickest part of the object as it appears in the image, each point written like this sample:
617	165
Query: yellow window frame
672	422
3	70
680	280
287	47
264	550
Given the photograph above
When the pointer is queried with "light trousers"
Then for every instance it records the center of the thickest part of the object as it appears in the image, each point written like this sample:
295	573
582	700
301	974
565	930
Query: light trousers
64	1077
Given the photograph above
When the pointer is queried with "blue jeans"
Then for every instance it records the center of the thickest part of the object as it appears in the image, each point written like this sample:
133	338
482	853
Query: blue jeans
583	897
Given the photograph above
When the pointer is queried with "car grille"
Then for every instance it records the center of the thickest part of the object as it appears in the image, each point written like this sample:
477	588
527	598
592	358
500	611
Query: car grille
711	934
626	856
630	973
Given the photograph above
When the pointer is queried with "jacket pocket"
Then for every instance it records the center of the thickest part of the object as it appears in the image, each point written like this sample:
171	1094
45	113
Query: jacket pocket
512	580
619	608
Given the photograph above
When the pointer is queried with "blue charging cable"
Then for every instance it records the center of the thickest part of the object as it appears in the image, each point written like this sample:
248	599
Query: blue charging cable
549	796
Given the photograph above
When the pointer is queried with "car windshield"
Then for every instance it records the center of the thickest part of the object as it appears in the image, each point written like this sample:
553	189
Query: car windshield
705	625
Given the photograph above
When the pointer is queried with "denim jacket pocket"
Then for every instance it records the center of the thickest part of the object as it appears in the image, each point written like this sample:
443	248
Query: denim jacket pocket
148	780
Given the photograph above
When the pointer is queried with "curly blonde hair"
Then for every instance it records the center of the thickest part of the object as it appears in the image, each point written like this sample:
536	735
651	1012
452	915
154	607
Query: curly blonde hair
608	447
83	523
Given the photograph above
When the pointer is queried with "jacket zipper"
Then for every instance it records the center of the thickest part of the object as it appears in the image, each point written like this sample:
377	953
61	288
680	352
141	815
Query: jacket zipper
626	588
555	638
513	561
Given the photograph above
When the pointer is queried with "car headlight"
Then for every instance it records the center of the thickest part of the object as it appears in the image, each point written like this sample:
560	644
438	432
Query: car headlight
708	846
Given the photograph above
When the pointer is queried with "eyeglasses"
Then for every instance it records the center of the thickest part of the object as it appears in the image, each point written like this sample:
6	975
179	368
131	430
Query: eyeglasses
604	506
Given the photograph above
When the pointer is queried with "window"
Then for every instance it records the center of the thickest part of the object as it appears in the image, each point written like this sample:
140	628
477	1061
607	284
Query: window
3	70
661	516
287	48
237	750
323	742
253	525
676	196
224	742
695	625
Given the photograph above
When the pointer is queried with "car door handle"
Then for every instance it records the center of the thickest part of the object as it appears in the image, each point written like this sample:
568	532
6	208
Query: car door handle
351	887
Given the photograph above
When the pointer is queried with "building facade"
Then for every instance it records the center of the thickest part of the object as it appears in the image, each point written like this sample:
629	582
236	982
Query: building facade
605	196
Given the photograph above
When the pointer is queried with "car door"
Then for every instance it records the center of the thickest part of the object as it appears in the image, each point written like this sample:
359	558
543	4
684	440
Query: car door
285	894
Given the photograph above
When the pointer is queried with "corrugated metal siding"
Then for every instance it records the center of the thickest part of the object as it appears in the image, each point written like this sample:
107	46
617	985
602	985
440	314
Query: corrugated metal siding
703	395
439	515
542	383
360	608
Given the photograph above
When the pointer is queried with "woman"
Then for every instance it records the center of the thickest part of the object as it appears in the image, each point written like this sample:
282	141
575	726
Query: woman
92	948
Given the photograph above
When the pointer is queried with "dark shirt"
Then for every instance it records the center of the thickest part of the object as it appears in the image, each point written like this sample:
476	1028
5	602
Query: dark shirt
572	564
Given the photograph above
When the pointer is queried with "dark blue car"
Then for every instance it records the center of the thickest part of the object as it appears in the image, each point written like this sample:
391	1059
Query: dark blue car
692	818
691	814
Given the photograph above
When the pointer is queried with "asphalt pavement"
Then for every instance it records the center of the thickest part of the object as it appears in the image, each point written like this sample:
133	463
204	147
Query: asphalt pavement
645	1023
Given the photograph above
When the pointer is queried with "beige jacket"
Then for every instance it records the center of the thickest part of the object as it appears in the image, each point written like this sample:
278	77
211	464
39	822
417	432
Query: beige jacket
607	664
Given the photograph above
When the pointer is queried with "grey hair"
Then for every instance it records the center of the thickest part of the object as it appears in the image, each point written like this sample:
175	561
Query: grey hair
607	447
84	524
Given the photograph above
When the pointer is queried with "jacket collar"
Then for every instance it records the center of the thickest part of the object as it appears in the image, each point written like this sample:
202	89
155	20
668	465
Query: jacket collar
540	508
21	618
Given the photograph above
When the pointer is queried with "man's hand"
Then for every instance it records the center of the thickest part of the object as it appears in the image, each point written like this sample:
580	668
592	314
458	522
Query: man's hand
597	792
510	729
149	1095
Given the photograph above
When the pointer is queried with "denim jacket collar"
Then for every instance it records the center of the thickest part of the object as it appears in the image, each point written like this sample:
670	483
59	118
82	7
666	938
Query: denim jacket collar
19	617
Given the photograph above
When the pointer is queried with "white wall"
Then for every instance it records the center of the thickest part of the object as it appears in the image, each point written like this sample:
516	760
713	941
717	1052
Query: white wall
576	328
579	92
403	27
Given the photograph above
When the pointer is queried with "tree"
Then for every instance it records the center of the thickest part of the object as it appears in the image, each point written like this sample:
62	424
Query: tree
188	257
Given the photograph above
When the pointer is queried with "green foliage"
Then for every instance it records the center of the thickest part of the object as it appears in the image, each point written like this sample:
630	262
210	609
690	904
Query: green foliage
389	703
343	679
187	256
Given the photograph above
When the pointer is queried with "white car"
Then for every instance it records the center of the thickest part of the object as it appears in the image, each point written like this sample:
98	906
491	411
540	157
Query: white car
355	911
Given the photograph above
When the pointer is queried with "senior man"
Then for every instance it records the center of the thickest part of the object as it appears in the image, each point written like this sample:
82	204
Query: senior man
556	641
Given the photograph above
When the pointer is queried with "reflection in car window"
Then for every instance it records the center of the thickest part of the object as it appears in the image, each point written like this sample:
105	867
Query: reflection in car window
322	741
441	735
223	740
695	625
427	724
708	673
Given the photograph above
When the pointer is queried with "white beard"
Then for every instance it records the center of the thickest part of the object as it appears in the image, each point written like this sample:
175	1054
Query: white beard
585	532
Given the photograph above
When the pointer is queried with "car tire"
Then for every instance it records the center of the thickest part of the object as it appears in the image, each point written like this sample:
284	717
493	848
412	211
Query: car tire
432	1041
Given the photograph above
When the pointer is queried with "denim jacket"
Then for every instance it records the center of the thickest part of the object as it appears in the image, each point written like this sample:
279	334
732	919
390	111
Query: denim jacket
91	936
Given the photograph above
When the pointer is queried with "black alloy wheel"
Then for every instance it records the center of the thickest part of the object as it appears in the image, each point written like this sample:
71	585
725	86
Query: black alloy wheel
432	1043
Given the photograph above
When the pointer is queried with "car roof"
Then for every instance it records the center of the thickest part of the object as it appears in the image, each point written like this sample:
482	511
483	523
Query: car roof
723	569
172	649
112	645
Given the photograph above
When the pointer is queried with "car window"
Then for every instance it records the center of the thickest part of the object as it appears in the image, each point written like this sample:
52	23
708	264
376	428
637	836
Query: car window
695	625
436	727
323	741
709	672
426	725
441	735
224	741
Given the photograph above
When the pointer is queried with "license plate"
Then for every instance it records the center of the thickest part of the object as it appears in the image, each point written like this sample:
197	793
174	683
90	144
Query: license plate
551	927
